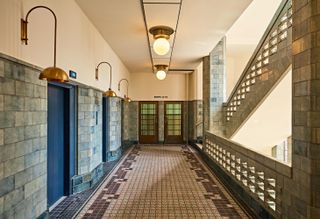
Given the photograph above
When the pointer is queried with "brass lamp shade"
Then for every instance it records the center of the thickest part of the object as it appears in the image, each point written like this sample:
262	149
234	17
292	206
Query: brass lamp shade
127	99
54	74
109	93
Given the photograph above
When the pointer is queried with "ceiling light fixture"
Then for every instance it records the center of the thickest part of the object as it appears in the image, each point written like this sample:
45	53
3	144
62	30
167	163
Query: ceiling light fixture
126	98
161	71
161	34
54	73
109	92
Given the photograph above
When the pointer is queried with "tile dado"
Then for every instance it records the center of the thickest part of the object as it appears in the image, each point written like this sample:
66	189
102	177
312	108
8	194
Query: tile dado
89	129
112	136
23	140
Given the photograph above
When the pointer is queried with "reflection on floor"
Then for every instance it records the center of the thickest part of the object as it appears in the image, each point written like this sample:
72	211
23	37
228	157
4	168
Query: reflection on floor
161	182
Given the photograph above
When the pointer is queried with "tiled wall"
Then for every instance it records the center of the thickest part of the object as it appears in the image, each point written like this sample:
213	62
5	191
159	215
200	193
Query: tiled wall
90	168
217	91
214	89
305	196
129	124
89	129
161	121
114	120
23	140
195	120
131	120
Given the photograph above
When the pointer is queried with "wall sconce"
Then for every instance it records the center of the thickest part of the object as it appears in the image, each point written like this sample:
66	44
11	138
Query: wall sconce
109	92
161	34
161	71
51	73
126	97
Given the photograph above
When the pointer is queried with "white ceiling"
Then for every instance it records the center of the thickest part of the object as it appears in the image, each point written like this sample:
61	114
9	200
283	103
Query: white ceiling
202	24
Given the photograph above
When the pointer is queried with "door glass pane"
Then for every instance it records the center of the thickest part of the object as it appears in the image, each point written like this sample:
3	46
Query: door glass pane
173	116
148	118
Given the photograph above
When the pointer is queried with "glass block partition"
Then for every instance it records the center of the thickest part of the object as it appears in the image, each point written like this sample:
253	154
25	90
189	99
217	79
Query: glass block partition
269	63
262	177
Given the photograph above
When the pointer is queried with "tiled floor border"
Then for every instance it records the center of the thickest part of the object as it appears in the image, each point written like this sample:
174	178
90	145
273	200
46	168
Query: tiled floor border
106	178
192	153
72	205
225	189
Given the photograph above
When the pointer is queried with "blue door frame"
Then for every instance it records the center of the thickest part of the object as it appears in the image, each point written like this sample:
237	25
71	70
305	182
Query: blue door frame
105	128
69	132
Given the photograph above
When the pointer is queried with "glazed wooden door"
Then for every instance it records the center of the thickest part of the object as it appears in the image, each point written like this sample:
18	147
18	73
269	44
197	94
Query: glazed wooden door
148	122
173	122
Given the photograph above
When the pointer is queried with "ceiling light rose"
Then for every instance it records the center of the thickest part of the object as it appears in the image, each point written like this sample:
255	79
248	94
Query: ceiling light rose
161	34
126	98
161	71
109	92
54	73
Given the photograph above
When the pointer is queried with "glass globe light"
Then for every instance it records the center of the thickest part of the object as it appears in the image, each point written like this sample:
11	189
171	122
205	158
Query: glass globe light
161	75
161	46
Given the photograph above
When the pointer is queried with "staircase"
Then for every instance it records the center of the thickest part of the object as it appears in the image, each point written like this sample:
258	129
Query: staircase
269	63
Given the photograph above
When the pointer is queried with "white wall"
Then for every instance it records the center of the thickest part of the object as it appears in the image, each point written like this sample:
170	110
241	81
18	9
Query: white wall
270	124
144	86
244	35
236	62
176	86
195	83
80	47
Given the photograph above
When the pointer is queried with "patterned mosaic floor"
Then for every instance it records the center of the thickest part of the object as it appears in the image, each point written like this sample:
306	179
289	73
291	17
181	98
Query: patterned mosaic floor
161	182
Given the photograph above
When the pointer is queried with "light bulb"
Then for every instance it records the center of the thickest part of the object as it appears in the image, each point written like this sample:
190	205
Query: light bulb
161	75
161	46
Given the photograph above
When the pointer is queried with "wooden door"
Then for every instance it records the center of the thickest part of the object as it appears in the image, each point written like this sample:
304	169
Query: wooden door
148	122
173	122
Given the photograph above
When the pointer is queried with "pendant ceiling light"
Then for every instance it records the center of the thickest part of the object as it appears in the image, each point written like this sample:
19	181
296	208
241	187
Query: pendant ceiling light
109	92
161	34
126	97
54	73
161	71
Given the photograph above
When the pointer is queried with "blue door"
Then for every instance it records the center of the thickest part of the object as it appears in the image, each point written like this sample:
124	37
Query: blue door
56	142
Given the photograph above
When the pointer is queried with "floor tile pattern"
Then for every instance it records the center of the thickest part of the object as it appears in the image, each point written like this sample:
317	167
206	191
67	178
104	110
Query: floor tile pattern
71	204
161	182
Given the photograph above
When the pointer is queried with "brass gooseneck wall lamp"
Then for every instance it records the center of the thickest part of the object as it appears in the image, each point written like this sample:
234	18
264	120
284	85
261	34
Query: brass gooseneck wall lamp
126	96
54	73
109	92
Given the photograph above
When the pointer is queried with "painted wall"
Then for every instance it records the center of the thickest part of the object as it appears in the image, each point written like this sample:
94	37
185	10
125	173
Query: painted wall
80	47
144	86
195	84
270	124
244	36
235	64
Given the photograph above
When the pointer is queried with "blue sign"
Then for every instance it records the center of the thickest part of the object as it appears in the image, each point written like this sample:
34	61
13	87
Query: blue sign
72	74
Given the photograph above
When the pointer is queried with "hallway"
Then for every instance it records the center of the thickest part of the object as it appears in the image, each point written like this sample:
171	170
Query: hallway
161	182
